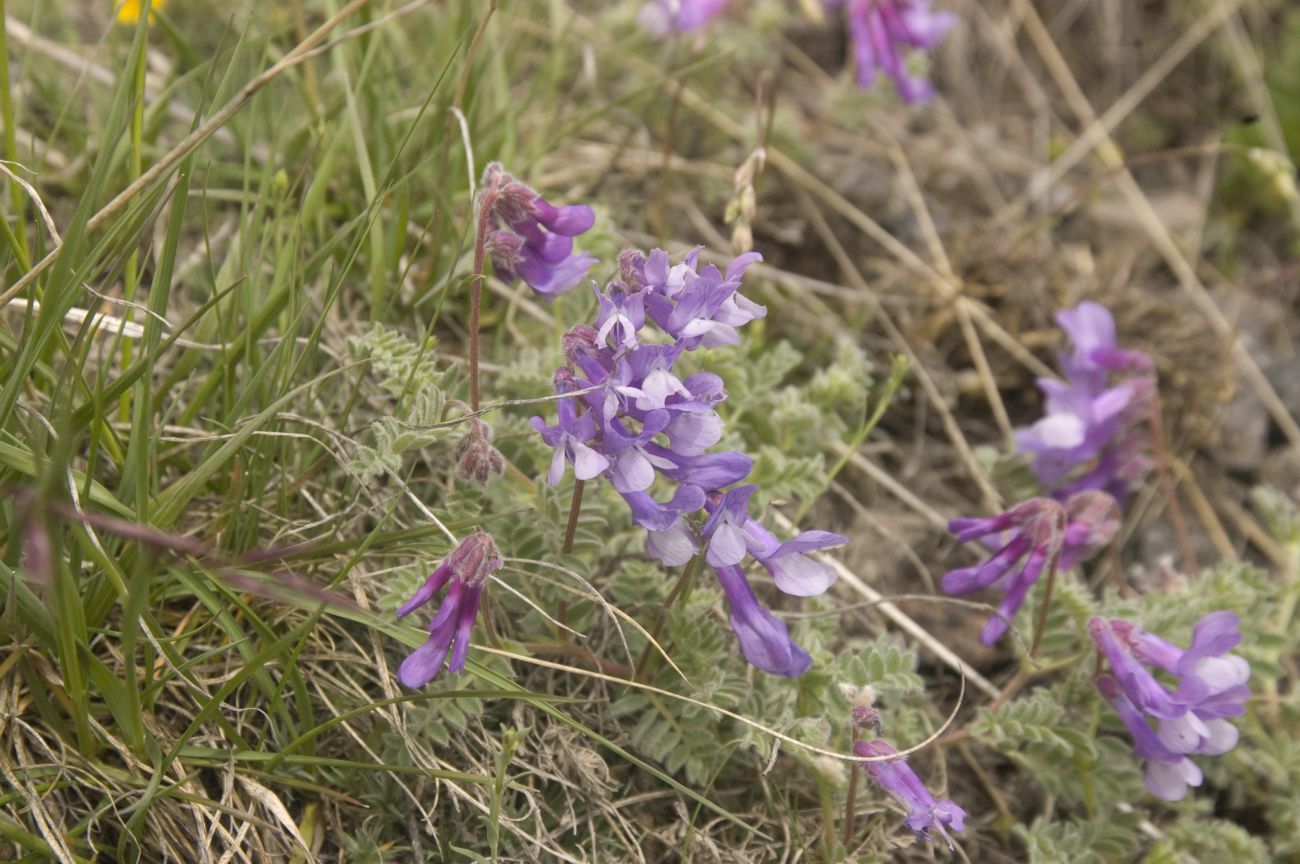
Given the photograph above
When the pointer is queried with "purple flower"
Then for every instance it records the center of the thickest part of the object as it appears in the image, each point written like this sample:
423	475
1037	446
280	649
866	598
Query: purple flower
1091	437
646	428
731	533
661	17
1189	719
1038	533
467	568
570	436
764	640
536	243
925	813
885	31
1167	774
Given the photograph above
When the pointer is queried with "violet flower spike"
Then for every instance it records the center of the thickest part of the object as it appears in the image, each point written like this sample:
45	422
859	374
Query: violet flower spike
1091	436
536	243
467	568
1189	720
925	813
883	32
1041	533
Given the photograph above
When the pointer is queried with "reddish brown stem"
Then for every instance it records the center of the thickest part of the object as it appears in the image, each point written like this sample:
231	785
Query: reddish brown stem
850	805
485	204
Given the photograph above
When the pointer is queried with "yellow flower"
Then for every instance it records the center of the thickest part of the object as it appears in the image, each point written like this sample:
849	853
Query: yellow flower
128	11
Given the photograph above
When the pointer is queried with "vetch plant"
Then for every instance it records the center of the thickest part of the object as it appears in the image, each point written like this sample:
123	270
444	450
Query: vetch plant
635	422
1039	534
466	568
1190	719
1092	436
885	33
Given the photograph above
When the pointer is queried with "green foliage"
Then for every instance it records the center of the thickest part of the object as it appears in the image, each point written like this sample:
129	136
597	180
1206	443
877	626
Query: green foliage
407	372
1200	840
1096	841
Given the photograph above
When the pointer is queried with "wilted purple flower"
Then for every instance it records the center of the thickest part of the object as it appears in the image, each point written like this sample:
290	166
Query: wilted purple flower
645	427
925	813
1190	718
661	17
884	32
536	243
467	568
1091	437
1036	534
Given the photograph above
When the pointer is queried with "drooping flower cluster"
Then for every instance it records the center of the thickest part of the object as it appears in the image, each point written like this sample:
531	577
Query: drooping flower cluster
635	422
1092	436
885	32
528	237
467	568
1038	534
925	813
1190	718
661	17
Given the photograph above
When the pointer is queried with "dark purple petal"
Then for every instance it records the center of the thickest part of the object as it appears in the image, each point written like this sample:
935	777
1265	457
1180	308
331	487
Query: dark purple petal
570	221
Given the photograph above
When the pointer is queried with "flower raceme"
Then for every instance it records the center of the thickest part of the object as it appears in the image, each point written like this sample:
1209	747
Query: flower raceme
1190	719
884	32
467	569
925	813
636	422
1092	436
1039	534
528	237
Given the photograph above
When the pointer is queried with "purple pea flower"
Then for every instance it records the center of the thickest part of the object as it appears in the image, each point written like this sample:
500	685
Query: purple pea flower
536	243
764	640
645	428
1168	773
925	813
1040	533
883	32
467	568
661	17
571	435
731	533
1190	719
1091	436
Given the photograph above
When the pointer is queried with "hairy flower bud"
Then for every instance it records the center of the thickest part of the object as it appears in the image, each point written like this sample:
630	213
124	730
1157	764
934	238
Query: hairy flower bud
476	458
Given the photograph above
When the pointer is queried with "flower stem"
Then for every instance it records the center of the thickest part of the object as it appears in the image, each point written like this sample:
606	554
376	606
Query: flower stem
486	202
575	509
850	806
642	664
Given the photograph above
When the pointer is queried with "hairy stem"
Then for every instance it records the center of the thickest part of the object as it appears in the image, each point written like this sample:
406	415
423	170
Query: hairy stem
485	204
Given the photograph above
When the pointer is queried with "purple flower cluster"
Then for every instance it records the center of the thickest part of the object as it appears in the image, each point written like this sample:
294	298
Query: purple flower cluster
1039	534
1190	719
528	237
925	813
1092	436
884	32
634	421
467	568
662	17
